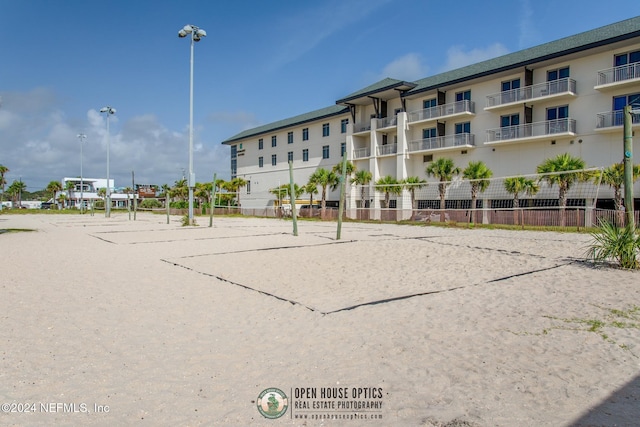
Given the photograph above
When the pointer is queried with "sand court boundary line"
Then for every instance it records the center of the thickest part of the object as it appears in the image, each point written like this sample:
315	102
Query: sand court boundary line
369	303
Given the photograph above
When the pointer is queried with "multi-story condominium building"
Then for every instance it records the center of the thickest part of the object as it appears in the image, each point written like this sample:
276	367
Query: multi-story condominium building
511	112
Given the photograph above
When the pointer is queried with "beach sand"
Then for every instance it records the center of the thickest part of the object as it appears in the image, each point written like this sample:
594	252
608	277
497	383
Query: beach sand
119	322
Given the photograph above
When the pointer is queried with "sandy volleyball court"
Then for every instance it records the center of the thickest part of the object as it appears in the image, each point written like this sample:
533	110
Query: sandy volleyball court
116	322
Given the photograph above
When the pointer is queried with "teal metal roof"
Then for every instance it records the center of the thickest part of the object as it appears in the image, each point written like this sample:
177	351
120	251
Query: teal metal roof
381	86
333	110
587	40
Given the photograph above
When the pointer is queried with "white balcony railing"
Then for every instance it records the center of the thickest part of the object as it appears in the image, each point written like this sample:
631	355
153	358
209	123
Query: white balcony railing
555	87
446	141
614	118
387	149
362	127
387	122
532	130
360	153
459	107
619	74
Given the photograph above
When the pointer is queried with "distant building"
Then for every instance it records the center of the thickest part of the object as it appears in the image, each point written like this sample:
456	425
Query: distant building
86	190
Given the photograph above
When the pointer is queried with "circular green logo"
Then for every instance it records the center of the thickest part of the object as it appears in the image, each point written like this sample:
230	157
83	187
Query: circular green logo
272	403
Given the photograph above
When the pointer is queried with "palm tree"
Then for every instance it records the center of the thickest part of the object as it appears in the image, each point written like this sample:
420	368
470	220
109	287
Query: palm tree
16	189
443	169
614	177
202	192
563	170
337	169
69	187
180	189
517	185
478	174
388	185
235	185
324	179
362	178
311	189
53	187
414	183
3	182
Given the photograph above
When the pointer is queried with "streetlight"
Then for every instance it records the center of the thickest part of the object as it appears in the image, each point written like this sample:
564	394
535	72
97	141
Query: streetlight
107	205
196	35
81	137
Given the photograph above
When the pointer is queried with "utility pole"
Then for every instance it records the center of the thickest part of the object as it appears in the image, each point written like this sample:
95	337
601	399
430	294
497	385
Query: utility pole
628	166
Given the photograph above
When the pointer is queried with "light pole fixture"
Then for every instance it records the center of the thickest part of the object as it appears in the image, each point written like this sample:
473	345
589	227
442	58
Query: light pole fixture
81	137
196	34
107	205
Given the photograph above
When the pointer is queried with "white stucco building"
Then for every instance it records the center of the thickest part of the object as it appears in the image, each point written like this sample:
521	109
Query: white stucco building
511	112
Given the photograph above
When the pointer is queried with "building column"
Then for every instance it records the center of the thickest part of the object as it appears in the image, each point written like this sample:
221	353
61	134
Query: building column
404	203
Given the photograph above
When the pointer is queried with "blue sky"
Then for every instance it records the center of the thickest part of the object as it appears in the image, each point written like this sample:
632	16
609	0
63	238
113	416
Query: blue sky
262	61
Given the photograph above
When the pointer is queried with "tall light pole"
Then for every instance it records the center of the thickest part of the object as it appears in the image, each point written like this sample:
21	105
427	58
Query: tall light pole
196	34
81	137
107	206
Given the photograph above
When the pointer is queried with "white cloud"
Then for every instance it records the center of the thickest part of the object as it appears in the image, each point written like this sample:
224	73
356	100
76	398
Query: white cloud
408	67
39	143
458	57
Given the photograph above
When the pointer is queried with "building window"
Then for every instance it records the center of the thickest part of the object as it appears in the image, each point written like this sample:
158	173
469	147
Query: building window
561	73
234	168
428	103
260	162
427	158
274	140
248	187
343	125
305	155
463	96
290	156
274	160
429	133
325	129
462	133
556	119
290	138
506	123
511	84
343	148
627	58
260	144
305	134
325	151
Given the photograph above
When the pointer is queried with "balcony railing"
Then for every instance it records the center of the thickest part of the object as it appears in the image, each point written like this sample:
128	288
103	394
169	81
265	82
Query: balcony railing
387	149
387	122
614	118
446	141
360	153
619	74
532	130
362	127
554	87
459	107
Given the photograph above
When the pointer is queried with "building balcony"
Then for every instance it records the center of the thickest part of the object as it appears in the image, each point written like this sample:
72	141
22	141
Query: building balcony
612	121
617	77
443	143
361	127
460	108
531	131
386	150
386	122
553	89
361	153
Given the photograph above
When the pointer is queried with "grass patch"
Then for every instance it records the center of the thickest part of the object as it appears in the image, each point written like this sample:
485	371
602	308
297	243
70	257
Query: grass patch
611	318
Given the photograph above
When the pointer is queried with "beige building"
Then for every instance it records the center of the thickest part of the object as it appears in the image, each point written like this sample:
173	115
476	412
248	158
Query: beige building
511	112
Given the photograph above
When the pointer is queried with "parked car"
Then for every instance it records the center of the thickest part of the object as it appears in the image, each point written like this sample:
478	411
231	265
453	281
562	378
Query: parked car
307	211
46	205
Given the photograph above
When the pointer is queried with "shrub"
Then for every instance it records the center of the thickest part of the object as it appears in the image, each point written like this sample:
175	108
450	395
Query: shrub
621	244
150	203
